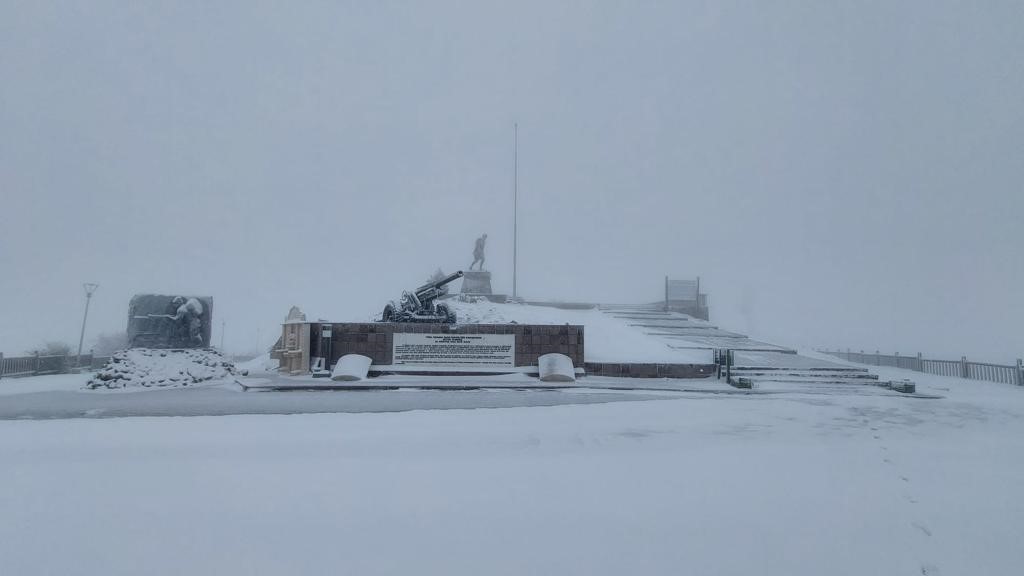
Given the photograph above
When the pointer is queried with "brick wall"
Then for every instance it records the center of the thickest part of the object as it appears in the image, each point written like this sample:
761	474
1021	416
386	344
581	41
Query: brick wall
376	339
629	370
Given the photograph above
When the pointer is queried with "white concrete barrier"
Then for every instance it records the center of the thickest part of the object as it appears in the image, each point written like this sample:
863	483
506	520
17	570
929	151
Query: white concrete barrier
556	368
351	367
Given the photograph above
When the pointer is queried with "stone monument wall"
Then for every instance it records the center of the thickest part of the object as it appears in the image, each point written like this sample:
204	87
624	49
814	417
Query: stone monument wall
377	339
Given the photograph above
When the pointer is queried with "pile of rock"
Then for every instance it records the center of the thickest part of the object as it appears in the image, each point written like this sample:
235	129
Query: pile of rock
152	368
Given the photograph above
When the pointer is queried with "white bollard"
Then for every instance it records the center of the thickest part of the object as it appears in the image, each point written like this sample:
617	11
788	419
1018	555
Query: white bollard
351	367
556	368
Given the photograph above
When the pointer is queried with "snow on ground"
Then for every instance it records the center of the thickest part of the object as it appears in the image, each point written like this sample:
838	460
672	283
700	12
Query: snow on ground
786	484
153	368
261	364
607	339
50	383
229	400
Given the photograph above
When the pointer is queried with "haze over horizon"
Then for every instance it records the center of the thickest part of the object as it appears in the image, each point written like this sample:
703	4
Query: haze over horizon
838	176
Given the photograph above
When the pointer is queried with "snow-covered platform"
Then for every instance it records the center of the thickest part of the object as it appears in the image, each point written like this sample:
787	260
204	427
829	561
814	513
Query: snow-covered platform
602	340
767	383
519	381
615	341
493	338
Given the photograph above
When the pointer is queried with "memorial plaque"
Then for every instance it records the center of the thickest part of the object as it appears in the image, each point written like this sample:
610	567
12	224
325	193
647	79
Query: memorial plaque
483	350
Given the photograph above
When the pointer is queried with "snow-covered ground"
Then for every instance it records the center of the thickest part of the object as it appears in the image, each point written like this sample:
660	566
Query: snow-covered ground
784	484
49	383
227	399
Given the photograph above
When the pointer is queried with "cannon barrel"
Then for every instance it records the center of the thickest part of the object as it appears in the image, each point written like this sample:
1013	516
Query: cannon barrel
437	285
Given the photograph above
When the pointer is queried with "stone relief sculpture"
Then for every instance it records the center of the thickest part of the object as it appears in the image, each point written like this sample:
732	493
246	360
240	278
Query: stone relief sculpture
159	321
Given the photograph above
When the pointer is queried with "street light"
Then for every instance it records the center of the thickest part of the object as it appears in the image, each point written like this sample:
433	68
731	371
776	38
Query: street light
89	289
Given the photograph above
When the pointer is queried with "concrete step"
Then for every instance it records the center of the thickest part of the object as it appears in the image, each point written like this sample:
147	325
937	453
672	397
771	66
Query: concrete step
804	374
809	370
832	381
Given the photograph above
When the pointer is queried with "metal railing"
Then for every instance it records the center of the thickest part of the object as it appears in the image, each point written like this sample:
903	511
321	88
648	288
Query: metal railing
962	368
39	365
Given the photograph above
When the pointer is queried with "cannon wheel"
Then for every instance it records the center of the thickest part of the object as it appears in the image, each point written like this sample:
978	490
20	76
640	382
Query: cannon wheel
389	314
448	313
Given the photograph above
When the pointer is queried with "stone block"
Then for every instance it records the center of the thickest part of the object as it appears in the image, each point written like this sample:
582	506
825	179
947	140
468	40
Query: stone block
476	282
556	368
351	367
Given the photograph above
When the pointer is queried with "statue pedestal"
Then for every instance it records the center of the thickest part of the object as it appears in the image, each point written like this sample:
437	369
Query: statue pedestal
476	282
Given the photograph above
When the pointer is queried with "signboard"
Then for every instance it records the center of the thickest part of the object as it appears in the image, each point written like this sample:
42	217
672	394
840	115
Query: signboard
482	350
681	289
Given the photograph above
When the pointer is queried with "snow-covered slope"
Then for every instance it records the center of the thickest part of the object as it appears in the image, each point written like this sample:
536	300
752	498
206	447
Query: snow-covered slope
258	365
606	339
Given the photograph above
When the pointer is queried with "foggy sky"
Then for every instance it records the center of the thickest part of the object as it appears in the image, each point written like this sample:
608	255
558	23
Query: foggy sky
838	174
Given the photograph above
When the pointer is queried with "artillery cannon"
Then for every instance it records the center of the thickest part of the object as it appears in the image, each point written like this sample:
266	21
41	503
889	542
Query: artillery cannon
419	305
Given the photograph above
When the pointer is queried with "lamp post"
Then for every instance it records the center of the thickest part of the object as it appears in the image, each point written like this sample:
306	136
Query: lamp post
89	289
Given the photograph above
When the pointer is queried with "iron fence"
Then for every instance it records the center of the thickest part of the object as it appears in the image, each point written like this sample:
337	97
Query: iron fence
962	368
38	365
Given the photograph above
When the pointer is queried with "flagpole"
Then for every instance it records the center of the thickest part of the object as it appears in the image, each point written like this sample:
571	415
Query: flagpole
515	208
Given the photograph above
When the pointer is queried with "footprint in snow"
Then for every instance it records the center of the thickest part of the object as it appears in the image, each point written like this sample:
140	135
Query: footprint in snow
930	570
924	529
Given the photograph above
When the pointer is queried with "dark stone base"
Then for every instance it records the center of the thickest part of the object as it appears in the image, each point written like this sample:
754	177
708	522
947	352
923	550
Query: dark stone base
477	282
904	386
745	383
629	370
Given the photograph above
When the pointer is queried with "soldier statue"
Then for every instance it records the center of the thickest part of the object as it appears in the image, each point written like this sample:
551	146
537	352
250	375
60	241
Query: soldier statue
478	252
185	314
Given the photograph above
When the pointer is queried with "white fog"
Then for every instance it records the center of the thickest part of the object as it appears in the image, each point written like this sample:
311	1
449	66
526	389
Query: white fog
840	176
